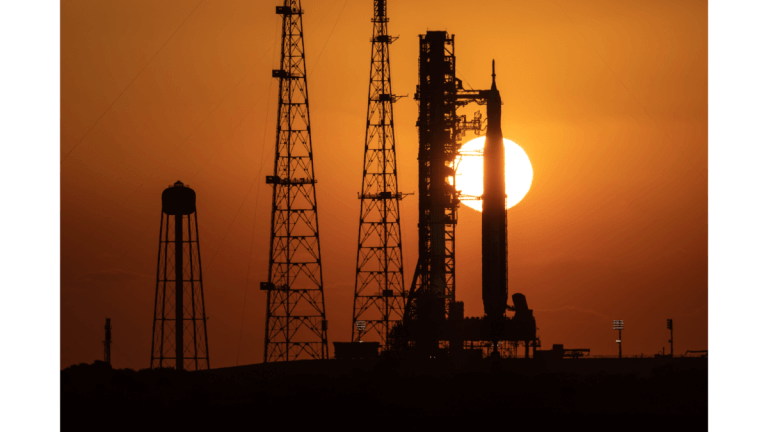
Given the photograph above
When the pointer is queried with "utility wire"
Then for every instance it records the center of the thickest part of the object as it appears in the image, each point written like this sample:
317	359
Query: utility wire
328	39
173	151
130	84
250	256
203	166
464	80
254	181
200	124
610	69
258	189
120	351
320	21
253	230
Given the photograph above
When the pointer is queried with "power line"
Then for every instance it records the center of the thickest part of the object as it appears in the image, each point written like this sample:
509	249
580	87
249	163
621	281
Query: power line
615	75
327	40
253	230
131	83
173	151
464	80
170	154
257	177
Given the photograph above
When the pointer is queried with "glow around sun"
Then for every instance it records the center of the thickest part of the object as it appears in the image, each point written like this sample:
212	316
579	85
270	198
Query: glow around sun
469	174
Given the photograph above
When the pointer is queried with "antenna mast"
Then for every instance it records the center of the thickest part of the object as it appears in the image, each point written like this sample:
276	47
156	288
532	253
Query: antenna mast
107	343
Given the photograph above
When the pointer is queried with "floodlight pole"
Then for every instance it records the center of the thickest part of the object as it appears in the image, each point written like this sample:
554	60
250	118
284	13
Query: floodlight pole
360	326
671	338
671	343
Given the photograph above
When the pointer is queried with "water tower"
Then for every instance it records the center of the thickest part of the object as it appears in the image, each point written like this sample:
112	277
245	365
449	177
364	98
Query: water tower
179	331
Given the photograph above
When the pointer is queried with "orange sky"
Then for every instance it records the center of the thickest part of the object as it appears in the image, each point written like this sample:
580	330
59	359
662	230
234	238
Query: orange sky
608	98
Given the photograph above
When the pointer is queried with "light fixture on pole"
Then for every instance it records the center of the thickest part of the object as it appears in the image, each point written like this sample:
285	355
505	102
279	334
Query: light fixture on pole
618	325
360	326
671	339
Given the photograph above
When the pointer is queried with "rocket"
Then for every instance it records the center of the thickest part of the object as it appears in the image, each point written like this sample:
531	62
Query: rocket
494	219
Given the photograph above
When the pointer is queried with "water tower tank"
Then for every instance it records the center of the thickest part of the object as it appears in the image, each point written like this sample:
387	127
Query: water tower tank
178	200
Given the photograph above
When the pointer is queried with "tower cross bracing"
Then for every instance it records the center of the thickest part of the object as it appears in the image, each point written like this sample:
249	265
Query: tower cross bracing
296	326
379	289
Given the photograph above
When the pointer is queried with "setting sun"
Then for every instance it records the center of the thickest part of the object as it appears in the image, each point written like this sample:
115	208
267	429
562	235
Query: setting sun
469	174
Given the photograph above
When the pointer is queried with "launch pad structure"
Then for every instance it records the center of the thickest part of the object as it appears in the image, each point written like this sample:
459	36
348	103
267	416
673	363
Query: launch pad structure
434	323
425	320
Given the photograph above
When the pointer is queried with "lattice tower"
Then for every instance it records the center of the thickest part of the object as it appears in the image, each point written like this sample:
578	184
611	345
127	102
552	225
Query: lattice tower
379	290
296	326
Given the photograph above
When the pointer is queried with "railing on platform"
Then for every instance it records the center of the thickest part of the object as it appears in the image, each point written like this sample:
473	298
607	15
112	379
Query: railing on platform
644	356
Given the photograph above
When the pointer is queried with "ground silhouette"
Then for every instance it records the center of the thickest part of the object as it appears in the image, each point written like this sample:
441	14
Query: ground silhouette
596	394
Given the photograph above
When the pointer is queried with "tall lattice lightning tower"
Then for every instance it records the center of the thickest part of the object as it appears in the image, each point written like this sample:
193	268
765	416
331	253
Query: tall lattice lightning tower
379	291
296	326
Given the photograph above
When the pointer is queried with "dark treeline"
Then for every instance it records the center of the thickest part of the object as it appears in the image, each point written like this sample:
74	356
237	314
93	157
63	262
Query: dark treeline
348	395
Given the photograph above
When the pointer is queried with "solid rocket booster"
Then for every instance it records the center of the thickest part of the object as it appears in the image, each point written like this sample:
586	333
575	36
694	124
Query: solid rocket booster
494	211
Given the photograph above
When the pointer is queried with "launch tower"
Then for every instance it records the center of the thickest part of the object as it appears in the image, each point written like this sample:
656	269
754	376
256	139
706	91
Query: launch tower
434	321
440	94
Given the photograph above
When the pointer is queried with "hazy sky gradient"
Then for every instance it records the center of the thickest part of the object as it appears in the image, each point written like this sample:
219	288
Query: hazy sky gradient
608	98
